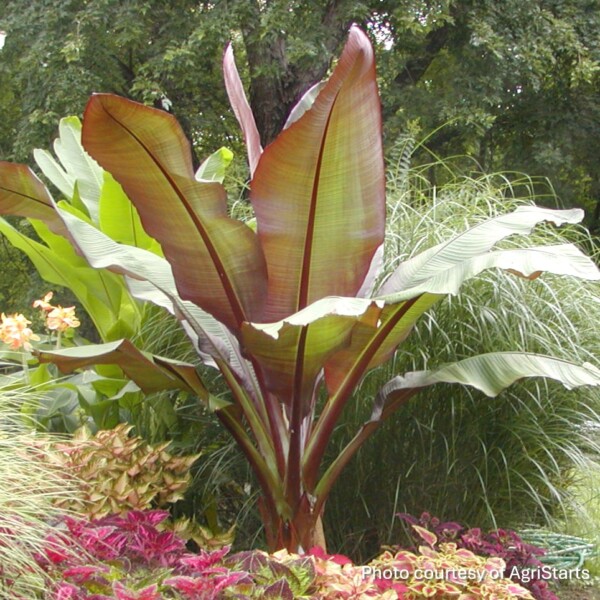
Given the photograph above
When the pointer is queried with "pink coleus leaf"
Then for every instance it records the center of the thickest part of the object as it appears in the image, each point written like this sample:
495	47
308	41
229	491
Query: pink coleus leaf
204	560
338	559
204	588
154	545
67	591
83	573
425	535
148	593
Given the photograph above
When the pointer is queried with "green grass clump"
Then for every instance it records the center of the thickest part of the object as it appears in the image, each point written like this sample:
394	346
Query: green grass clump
28	487
452	451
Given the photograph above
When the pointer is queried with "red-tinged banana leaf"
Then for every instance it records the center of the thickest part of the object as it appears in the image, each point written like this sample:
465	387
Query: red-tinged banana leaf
490	373
369	348
397	319
241	108
150	373
292	352
211	336
422	280
216	260
319	190
23	194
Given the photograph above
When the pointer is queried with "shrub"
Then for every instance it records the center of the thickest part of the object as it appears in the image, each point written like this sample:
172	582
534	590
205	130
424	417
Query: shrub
517	555
119	472
130	557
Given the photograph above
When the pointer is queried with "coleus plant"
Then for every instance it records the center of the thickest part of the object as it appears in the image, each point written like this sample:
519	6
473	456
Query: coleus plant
292	312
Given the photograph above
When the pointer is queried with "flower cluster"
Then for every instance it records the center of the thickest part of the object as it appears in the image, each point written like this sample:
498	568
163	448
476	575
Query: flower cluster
15	331
57	318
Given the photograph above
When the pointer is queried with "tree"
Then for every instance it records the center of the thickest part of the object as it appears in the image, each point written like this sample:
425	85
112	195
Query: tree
513	84
162	54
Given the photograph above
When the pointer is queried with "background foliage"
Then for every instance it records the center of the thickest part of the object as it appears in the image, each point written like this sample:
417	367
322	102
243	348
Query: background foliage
453	452
512	85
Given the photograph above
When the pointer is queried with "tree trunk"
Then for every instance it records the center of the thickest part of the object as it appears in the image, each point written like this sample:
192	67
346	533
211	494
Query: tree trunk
276	85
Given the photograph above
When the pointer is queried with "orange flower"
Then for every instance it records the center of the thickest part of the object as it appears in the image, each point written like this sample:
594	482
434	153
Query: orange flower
44	303
60	319
15	332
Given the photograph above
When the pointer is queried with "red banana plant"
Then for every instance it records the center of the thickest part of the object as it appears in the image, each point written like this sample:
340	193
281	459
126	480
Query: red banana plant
289	313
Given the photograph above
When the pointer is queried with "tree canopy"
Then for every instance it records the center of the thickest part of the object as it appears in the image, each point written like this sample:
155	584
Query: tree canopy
512	84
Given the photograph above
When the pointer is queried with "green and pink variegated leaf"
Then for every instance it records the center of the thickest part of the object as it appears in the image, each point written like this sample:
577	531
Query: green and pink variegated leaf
216	260
319	190
425	535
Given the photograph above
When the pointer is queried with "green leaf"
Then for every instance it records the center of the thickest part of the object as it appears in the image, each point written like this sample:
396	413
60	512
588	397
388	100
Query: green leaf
563	259
53	170
90	286
319	190
491	373
119	219
217	261
305	103
405	307
151	373
475	241
215	166
78	168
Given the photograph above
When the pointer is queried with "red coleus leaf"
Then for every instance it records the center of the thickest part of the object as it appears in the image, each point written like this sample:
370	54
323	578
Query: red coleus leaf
204	560
205	588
